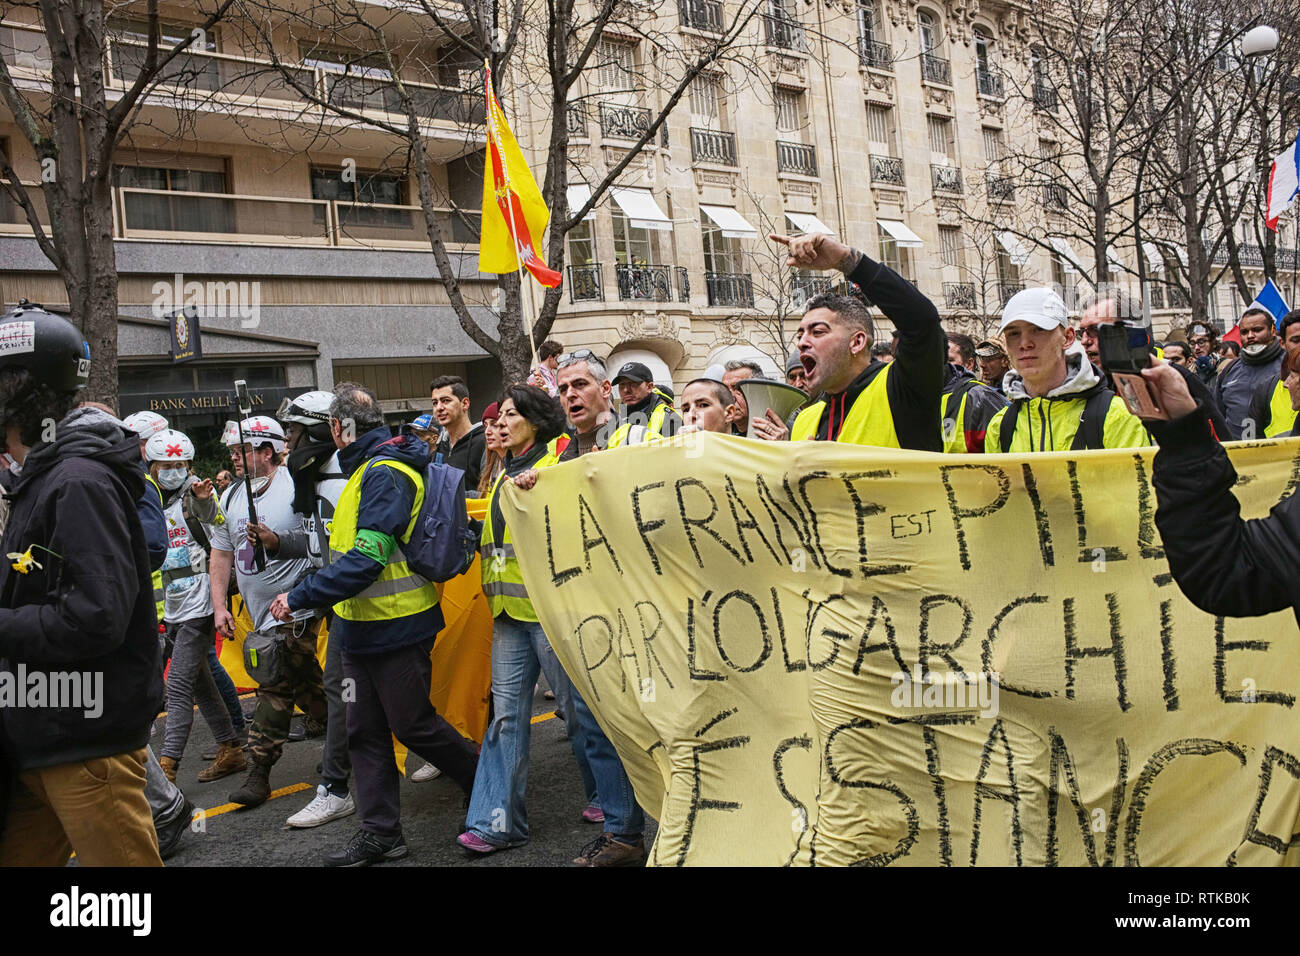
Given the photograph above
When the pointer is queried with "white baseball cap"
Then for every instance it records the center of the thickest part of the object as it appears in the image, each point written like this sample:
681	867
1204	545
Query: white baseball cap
1040	307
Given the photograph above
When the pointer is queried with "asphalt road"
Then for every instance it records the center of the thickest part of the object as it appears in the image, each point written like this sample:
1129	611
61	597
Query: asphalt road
432	813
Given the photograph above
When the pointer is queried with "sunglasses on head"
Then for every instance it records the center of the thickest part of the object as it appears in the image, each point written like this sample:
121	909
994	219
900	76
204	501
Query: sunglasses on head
578	356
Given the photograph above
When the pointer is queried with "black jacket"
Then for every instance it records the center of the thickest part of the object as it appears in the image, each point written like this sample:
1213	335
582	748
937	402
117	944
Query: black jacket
915	384
1203	394
467	454
1224	565
89	609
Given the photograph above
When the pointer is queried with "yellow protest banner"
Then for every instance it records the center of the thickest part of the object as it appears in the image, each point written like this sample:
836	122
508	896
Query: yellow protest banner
814	653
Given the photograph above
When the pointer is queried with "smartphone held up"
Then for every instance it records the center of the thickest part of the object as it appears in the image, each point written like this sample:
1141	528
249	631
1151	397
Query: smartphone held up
1125	352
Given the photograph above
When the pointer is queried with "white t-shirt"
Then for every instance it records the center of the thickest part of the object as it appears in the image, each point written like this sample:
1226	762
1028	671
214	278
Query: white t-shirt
275	510
188	597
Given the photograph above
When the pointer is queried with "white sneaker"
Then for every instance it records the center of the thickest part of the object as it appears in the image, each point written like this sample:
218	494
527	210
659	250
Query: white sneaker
425	773
323	808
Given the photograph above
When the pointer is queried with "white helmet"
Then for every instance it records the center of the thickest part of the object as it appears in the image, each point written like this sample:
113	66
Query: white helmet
145	424
309	408
260	430
169	445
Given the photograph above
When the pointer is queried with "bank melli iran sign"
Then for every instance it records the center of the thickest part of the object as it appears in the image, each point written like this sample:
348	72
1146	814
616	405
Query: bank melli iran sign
821	654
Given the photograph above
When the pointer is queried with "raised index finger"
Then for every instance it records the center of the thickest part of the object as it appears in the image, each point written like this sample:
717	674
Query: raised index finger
784	240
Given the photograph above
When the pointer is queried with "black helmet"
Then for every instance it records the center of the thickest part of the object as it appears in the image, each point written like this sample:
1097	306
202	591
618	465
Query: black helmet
47	345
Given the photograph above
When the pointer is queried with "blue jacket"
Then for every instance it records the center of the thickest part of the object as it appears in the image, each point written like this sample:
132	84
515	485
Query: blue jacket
386	499
149	508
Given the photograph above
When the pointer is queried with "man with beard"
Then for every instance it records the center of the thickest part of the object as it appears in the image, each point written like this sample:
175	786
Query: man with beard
866	401
1270	408
1260	365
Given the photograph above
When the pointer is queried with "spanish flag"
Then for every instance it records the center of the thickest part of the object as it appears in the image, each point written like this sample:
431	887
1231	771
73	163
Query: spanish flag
514	213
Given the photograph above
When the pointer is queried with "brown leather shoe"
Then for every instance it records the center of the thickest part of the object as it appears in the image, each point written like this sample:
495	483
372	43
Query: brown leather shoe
607	851
169	767
230	759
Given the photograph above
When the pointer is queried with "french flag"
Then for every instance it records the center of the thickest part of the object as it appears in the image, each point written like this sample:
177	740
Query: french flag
1283	183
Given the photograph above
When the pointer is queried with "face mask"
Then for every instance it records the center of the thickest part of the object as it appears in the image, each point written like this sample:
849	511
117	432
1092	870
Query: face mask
172	478
13	464
1253	350
258	484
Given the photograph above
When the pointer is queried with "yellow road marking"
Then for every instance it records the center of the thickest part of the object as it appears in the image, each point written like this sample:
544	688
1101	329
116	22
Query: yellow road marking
227	807
540	717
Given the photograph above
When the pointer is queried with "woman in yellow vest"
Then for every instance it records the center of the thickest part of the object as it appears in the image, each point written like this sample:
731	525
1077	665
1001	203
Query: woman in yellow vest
497	818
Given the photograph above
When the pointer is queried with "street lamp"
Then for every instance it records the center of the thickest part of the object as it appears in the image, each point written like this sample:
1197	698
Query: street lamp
1261	39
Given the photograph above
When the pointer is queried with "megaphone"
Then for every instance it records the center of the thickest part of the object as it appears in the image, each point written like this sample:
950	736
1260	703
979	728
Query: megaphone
764	393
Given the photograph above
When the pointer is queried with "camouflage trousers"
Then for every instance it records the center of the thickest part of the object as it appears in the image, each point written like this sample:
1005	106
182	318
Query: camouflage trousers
300	684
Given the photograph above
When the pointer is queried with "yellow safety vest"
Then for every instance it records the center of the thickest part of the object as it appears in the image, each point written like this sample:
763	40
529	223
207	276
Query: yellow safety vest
869	422
653	429
159	592
503	583
398	591
1282	417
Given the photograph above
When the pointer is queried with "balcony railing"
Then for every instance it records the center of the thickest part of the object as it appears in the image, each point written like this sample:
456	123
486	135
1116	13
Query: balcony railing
585	283
683	285
959	295
730	288
708	146
1001	188
703	15
887	170
945	179
223	217
624	122
989	83
369	224
935	69
796	158
783	32
805	287
203	72
1056	196
575	118
429	102
877	55
1007	289
1044	96
652	283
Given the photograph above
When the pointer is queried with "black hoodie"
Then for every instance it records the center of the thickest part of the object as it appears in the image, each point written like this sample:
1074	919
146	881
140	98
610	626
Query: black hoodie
89	608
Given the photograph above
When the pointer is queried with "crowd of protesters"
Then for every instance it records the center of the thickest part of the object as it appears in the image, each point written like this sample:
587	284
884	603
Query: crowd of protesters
336	493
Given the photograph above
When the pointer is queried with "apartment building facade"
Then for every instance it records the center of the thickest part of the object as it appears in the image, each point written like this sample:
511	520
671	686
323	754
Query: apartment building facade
888	123
296	232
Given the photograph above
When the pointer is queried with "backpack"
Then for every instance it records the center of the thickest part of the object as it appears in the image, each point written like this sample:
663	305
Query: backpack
1091	422
443	538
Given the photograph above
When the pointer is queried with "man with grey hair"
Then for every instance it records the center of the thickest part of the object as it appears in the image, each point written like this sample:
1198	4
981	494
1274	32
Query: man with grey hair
1105	305
734	372
585	391
1111	305
386	617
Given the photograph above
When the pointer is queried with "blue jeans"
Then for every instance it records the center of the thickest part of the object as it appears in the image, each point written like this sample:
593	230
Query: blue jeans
496	807
226	688
623	815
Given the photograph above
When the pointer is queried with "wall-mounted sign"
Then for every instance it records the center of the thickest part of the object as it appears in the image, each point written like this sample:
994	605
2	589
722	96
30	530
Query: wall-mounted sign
186	343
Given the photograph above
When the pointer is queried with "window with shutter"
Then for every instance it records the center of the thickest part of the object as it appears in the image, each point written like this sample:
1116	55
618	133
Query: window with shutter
940	136
788	110
617	70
